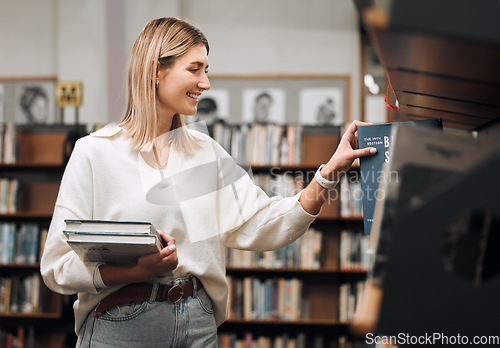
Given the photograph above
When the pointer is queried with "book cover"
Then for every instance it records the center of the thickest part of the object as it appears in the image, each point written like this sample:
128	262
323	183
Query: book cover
118	242
82	237
110	226
112	252
378	136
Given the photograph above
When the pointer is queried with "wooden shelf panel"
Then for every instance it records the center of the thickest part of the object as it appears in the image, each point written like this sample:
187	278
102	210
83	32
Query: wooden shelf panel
280	168
320	271
28	215
452	77
461	108
20	265
445	87
452	57
54	315
306	322
450	119
42	148
39	196
27	165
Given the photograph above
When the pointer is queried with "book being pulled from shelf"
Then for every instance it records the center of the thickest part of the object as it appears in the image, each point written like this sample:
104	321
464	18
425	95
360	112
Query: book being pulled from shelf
119	242
379	137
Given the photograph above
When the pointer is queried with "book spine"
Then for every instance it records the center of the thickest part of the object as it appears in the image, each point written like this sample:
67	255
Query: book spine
275	298
19	243
305	252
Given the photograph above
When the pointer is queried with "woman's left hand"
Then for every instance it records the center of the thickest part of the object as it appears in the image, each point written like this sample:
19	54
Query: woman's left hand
346	153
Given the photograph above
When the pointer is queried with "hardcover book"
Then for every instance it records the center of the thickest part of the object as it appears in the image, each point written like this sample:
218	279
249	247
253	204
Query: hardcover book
118	242
378	136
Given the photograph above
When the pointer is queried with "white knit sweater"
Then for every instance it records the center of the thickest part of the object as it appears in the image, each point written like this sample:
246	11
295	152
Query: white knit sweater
106	179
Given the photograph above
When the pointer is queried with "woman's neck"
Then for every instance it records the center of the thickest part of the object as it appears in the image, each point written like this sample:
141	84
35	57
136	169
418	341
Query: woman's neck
164	123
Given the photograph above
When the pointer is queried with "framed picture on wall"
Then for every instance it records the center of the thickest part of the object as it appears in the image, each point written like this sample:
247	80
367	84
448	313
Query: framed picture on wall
29	100
322	106
263	105
285	99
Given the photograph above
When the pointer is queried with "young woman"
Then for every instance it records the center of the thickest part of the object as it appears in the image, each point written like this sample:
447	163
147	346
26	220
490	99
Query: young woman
149	167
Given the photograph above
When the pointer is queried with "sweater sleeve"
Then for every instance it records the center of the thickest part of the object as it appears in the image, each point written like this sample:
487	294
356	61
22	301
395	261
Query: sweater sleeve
61	268
252	220
266	223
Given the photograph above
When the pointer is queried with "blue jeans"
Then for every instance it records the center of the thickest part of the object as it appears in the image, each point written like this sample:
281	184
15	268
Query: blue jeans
187	323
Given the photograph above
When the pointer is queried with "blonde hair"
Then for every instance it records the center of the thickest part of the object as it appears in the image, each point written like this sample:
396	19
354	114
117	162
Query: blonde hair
161	41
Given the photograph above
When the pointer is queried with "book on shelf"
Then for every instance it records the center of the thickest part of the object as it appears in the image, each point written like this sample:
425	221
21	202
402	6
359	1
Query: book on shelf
19	243
435	185
349	295
22	294
120	242
353	251
9	143
21	336
252	298
254	340
9	193
305	252
351	196
379	137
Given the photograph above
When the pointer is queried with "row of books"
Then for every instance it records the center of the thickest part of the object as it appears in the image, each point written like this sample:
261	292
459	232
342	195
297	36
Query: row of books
261	144
349	295
21	337
21	243
353	251
305	252
275	298
280	184
9	195
300	340
351	196
8	142
22	294
252	298
288	184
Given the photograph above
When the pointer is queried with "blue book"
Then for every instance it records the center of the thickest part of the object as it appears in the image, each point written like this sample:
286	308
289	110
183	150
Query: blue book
378	136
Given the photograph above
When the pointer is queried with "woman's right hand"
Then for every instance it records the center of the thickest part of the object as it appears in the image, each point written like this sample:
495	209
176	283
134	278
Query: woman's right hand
147	266
158	263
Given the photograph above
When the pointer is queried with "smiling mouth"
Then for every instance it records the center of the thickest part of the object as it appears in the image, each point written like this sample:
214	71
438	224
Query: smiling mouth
193	96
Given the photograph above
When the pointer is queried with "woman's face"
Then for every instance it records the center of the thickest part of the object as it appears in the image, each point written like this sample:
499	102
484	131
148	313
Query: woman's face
39	110
180	85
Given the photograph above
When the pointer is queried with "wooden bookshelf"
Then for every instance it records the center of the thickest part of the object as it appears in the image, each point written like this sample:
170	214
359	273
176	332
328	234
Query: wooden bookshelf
40	161
320	285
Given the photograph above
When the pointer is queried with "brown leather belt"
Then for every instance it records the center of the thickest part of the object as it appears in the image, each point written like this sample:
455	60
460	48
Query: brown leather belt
137	292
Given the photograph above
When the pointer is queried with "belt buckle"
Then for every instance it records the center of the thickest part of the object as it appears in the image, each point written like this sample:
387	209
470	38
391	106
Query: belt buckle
180	293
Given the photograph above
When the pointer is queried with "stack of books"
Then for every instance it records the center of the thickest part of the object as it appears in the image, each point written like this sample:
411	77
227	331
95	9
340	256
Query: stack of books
118	242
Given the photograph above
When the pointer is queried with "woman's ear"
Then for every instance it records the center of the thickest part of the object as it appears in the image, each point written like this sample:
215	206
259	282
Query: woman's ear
157	77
